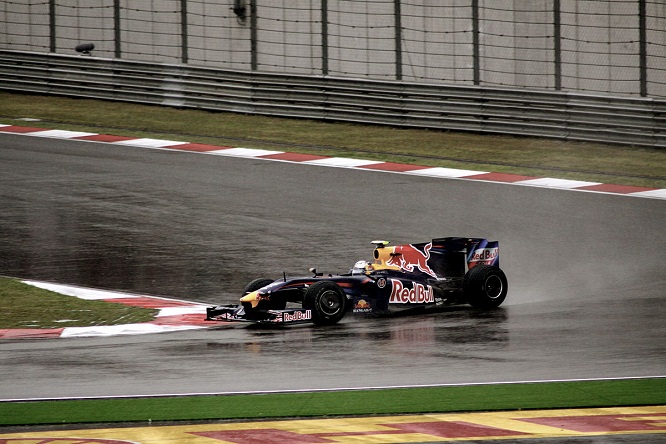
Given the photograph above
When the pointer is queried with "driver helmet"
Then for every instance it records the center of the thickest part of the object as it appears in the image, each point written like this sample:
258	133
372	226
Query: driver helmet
360	267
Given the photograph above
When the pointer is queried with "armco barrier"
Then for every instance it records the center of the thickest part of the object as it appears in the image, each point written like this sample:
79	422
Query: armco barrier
562	115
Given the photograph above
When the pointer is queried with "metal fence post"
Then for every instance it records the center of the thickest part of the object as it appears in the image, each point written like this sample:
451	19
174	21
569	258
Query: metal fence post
557	43
253	35
324	37
52	25
183	31
398	40
476	53
642	38
116	27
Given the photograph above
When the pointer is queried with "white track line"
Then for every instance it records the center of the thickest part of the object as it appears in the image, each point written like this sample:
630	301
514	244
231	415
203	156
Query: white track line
339	389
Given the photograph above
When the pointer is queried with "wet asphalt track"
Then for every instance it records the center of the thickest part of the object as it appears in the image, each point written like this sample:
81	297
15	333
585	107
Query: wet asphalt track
586	272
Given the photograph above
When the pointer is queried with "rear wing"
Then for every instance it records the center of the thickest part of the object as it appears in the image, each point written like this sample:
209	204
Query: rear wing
439	258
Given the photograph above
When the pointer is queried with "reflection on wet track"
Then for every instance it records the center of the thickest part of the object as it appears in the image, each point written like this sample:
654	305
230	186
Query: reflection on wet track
585	272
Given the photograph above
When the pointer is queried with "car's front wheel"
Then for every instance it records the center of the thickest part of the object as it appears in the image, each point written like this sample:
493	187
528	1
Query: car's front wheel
256	285
327	301
485	287
274	303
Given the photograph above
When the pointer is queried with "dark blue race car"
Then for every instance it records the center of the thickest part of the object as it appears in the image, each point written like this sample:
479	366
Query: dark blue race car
445	271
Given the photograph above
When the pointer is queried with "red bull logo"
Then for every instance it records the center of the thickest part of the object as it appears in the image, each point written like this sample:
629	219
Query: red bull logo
483	256
418	294
410	258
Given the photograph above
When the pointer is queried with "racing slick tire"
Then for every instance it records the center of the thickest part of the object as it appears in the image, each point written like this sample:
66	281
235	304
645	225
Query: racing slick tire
255	285
485	287
327	301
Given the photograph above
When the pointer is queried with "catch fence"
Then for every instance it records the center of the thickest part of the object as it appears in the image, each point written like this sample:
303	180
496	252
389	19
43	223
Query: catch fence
615	47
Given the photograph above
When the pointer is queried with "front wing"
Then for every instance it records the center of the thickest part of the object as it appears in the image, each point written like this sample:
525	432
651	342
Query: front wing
236	313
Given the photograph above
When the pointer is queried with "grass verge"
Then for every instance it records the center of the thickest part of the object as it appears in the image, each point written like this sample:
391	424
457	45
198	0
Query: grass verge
530	156
520	396
25	306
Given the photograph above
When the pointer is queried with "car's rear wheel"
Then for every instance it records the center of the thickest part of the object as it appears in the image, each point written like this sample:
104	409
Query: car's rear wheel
485	287
327	301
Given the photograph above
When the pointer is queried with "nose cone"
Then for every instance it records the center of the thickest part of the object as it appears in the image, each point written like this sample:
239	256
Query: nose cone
252	298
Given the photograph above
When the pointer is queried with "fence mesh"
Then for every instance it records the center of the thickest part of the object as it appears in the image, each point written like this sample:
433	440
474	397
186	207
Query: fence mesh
615	47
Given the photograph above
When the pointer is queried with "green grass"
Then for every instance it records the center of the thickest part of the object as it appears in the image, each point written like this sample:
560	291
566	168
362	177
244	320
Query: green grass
26	306
519	155
316	404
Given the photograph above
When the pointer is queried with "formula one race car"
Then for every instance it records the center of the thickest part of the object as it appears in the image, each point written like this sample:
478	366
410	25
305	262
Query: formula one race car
446	271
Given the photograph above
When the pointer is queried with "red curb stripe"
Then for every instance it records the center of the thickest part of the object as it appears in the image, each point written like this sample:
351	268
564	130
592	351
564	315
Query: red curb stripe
500	177
618	189
31	333
104	138
265	435
453	429
198	147
20	129
392	166
195	319
604	423
293	157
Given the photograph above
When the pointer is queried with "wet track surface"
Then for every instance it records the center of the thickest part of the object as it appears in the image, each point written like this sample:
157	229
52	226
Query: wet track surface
585	271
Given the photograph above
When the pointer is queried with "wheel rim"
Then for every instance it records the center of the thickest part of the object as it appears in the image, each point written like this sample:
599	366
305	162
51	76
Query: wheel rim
330	303
494	287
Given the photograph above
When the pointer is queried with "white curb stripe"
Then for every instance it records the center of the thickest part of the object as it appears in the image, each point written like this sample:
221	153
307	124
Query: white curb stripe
548	182
659	194
81	293
127	329
178	311
150	143
444	172
61	134
243	152
342	162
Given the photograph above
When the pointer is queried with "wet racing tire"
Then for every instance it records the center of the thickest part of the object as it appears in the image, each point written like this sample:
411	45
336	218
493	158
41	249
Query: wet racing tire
327	301
256	285
273	304
485	287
